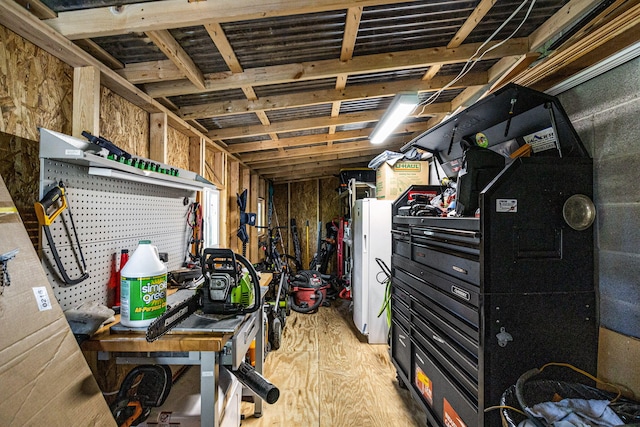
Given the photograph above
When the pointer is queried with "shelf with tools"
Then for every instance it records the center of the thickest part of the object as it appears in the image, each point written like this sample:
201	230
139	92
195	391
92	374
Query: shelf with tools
65	148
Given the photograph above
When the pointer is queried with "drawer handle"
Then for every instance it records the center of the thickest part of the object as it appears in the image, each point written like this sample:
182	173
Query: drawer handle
419	358
459	269
401	339
437	338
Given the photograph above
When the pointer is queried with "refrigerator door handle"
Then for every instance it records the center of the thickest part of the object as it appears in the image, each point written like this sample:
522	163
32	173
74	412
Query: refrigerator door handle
364	243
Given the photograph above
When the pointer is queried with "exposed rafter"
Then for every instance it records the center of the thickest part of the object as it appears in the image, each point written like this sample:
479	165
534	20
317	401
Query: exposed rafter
365	64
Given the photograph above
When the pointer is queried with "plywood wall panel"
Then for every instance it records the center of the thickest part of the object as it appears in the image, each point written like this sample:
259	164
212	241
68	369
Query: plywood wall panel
35	88
280	211
19	166
124	124
304	207
177	148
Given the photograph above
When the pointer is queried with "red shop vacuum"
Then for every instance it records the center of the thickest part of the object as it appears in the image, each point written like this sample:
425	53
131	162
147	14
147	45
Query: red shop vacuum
307	291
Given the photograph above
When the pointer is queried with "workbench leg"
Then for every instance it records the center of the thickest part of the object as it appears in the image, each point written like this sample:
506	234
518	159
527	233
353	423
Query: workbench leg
257	410
209	374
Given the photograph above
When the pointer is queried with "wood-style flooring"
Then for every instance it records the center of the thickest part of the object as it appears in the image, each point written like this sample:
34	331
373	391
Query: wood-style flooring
329	376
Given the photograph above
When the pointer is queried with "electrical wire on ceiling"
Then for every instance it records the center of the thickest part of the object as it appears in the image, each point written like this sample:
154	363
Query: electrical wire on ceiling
471	62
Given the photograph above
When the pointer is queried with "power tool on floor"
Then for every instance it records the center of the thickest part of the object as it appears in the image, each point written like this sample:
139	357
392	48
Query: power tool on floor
227	290
145	387
56	200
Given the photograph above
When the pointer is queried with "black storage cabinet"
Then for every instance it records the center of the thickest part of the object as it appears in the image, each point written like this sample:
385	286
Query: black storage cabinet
477	301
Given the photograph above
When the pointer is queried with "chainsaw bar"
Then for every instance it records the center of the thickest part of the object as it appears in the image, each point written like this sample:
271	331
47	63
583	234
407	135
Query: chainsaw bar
173	316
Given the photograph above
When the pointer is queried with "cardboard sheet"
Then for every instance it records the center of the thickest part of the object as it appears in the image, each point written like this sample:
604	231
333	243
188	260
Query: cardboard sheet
45	379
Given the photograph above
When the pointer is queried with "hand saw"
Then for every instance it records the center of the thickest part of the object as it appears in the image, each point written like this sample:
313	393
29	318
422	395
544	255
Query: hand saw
56	196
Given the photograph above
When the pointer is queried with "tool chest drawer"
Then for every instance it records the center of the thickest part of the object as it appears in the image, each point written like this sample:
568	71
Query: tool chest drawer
401	247
400	312
460	290
401	347
466	336
454	288
439	394
461	366
401	292
463	241
428	296
462	266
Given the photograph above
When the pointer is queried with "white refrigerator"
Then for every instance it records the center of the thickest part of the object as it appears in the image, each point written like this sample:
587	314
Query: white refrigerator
371	234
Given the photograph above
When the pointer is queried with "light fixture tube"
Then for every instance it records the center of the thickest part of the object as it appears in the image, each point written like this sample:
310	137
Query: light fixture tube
401	106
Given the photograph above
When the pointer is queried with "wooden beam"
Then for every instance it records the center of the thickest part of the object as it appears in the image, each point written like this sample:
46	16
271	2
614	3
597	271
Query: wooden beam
431	72
220	168
159	15
151	71
233	220
327	156
170	47
197	154
615	29
565	17
222	43
246	147
318	150
102	55
472	22
267	170
39	9
521	64
351	93
331	68
314	123
158	137
350	32
86	101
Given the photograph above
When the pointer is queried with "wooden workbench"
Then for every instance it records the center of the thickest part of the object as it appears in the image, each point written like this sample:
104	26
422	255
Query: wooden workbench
203	348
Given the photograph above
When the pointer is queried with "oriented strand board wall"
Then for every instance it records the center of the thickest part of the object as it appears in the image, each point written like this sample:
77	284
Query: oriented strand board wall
124	124
18	162
304	207
35	89
177	148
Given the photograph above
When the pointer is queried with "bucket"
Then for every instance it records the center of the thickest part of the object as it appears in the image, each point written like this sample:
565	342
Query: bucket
143	287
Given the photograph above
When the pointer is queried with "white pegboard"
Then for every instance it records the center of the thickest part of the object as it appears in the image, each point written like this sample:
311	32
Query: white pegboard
110	215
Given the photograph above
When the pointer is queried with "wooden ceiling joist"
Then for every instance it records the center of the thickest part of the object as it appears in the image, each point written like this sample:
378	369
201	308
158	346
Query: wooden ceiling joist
301	167
351	93
331	68
246	147
325	157
293	153
142	17
315	123
172	49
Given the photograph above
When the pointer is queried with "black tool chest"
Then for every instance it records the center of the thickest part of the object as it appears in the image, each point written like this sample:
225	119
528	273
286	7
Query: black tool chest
478	301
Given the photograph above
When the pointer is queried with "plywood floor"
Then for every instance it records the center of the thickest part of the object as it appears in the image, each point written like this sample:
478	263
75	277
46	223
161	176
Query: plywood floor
329	376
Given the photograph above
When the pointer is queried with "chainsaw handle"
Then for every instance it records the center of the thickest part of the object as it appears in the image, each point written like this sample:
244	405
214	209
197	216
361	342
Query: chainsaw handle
57	193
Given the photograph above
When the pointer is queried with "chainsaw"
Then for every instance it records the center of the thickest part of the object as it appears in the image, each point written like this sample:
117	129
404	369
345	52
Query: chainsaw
56	200
226	290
